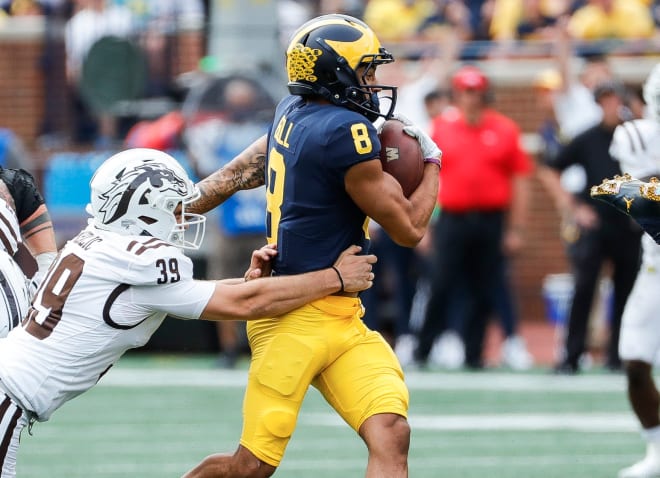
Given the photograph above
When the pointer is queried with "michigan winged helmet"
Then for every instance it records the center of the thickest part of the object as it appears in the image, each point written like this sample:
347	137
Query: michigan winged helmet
331	56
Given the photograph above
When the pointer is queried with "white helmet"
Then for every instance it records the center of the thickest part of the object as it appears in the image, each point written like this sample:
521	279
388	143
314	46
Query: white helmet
137	191
652	93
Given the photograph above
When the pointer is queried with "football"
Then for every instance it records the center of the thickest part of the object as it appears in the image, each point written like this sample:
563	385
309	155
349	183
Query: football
401	156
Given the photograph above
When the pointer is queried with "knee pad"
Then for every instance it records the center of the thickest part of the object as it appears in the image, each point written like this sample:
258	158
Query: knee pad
279	423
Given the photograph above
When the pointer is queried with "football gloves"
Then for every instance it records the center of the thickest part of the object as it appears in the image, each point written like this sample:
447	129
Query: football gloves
638	199
429	148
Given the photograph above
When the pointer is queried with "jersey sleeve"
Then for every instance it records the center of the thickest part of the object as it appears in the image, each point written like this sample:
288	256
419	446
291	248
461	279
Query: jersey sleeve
352	140
154	263
185	299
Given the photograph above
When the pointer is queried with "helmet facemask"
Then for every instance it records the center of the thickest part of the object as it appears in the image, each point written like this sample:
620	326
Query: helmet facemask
366	97
187	230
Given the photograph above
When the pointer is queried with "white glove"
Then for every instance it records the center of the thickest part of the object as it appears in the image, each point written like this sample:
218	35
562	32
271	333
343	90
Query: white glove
402	118
429	148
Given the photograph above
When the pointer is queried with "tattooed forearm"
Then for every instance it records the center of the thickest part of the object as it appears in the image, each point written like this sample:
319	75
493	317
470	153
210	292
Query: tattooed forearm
245	171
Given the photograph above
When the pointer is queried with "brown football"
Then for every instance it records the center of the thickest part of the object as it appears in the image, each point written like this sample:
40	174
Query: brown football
401	156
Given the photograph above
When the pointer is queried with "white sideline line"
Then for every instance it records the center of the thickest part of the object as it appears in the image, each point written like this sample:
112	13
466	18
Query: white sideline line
446	463
542	382
584	422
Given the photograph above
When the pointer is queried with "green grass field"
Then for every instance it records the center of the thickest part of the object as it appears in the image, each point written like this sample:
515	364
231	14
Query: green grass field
156	416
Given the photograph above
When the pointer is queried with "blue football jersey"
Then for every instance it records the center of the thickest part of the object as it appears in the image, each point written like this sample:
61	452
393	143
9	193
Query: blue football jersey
310	216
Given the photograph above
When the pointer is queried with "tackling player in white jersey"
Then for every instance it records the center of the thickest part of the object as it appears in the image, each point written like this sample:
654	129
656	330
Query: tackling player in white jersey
26	234
636	145
14	285
112	286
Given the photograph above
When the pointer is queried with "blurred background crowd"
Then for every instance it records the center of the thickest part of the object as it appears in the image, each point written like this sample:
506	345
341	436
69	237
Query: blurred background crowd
200	79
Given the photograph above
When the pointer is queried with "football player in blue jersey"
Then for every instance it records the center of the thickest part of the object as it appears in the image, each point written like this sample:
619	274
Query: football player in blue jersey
324	181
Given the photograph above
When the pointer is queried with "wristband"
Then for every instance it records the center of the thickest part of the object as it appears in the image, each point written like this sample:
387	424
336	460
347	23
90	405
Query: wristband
435	161
341	281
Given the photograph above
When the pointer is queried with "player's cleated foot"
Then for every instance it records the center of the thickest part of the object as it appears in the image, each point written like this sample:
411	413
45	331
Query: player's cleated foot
649	467
639	199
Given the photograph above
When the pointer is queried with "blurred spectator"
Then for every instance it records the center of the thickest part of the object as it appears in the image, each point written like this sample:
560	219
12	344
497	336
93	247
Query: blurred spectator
19	8
546	84
606	19
290	15
396	20
449	20
435	102
215	135
575	107
157	23
91	21
354	8
526	19
635	102
418	78
600	232
482	13
483	199
655	11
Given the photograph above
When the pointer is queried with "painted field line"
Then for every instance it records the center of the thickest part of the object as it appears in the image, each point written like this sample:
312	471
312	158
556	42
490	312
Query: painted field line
175	377
584	422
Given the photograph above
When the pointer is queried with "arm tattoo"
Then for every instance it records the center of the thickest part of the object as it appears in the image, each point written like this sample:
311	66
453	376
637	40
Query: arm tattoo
29	226
245	171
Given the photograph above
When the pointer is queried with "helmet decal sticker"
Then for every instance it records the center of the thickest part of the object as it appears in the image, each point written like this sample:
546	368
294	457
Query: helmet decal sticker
117	199
302	60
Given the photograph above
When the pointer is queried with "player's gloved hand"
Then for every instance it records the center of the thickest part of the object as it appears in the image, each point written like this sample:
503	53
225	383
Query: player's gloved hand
429	148
402	118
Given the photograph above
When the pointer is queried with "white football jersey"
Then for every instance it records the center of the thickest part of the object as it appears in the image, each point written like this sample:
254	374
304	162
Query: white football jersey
14	286
14	294
104	294
636	145
10	232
